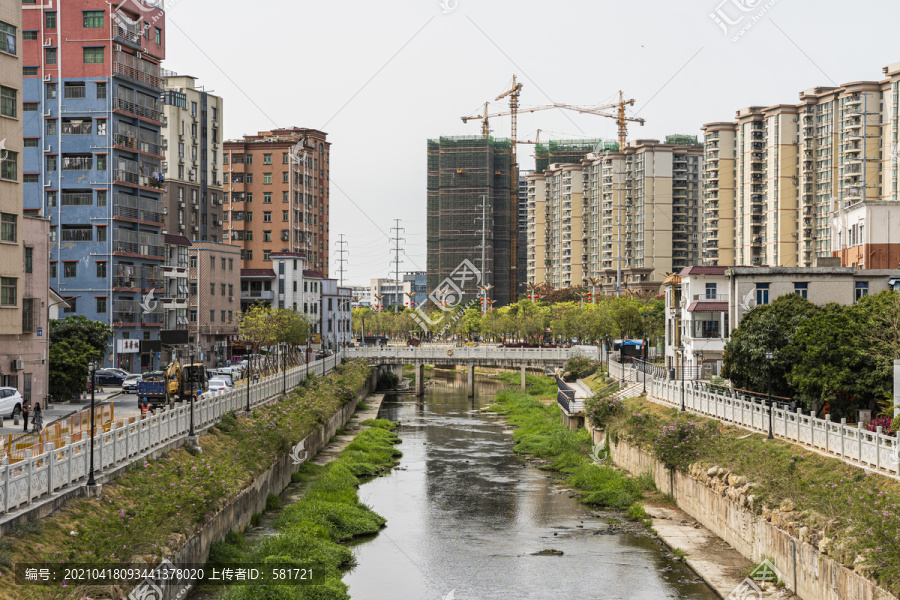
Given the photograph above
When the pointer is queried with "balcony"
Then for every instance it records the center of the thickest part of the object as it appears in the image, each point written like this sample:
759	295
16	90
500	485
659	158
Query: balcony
137	69
138	243
139	105
127	32
710	297
257	295
137	209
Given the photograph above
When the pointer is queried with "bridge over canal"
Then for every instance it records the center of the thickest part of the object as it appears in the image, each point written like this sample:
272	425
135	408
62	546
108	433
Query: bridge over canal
470	356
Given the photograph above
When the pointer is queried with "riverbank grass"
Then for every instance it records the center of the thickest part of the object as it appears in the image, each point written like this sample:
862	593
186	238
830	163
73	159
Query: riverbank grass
311	530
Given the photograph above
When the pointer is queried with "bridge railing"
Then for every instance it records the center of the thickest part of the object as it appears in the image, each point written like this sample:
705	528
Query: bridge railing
468	352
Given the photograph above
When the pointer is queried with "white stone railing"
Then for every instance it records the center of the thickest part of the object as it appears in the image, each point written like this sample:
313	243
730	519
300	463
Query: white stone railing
57	468
468	352
852	443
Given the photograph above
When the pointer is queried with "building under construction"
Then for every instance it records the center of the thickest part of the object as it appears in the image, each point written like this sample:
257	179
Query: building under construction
566	152
464	172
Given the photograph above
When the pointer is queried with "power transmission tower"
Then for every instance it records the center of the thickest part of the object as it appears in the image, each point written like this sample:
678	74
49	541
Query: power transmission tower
397	239
341	260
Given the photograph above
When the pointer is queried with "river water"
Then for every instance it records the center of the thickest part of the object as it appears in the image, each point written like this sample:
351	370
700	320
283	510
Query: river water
465	515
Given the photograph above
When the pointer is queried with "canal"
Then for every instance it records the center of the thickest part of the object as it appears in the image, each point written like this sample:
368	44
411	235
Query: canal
466	516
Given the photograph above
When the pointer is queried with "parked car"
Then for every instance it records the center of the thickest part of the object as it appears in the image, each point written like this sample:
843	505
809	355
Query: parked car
131	383
10	401
111	376
236	373
221	374
218	385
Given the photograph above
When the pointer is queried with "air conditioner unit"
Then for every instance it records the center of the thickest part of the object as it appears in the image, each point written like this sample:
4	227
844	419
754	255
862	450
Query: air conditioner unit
181	204
165	144
231	298
181	226
18	365
215	145
220	223
165	210
117	47
138	55
196	228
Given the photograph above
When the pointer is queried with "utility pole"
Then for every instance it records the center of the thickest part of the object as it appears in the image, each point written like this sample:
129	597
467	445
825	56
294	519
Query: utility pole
397	239
341	260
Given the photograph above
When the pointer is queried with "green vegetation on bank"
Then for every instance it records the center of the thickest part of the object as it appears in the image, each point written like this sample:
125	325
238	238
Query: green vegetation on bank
540	433
535	385
310	530
849	513
151	509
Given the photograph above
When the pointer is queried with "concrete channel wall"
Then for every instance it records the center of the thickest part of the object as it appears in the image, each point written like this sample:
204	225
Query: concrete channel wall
716	505
237	513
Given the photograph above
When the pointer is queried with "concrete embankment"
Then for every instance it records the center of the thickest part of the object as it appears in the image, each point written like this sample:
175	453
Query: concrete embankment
715	502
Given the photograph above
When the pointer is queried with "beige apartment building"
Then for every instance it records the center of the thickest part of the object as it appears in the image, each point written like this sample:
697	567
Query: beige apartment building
536	229
807	181
195	198
214	305
565	239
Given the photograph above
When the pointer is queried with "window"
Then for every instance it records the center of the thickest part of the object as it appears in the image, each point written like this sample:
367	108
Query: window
284	177
284	196
9	167
221	289
267	160
193	288
101	91
30	178
29	259
101	126
8	294
101	305
72	302
74	90
762	293
77	233
267	216
51	201
267	237
77	126
230	316
212	289
7	38
30	106
231	264
248	159
93	56
266	254
52	266
295	286
862	289
222	315
51	130
146	30
284	158
193	109
800	289
77	162
158	38
101	233
267	198
212	316
29	71
212	262
50	91
29	314
284	215
101	197
193	316
29	35
8	101
31	142
101	162
101	269
7	227
231	289
710	291
267	178
50	56
70	269
50	20
93	18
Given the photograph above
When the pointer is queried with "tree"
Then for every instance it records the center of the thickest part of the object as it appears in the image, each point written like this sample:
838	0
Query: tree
77	327
834	363
766	328
69	360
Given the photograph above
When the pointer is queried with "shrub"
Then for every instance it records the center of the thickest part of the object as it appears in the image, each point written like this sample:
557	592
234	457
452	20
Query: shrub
578	366
886	424
895	424
678	444
600	409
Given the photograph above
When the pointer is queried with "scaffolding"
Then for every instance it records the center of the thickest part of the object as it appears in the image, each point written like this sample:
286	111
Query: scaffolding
568	151
461	171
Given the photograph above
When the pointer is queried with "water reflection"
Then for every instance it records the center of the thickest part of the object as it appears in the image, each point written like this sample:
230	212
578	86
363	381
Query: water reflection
465	514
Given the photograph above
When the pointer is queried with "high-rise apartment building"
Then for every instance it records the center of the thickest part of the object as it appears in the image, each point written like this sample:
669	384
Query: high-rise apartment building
93	157
522	228
623	218
469	177
793	183
276	185
194	200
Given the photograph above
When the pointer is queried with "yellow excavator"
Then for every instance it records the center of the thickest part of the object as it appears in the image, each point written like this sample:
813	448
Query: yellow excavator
174	384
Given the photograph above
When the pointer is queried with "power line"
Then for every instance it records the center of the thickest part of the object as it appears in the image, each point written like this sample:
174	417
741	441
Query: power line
341	260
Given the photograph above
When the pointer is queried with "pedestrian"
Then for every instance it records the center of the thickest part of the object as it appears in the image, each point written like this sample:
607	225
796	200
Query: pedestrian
37	418
25	409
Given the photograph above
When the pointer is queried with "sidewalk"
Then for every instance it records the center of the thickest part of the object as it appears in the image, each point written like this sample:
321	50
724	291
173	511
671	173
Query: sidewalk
57	411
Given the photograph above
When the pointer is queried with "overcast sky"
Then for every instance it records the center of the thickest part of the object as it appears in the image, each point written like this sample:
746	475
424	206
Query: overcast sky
382	77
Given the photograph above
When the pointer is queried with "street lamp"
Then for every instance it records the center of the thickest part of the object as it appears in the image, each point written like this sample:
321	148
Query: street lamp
249	374
681	368
769	356
644	365
90	482
191	433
